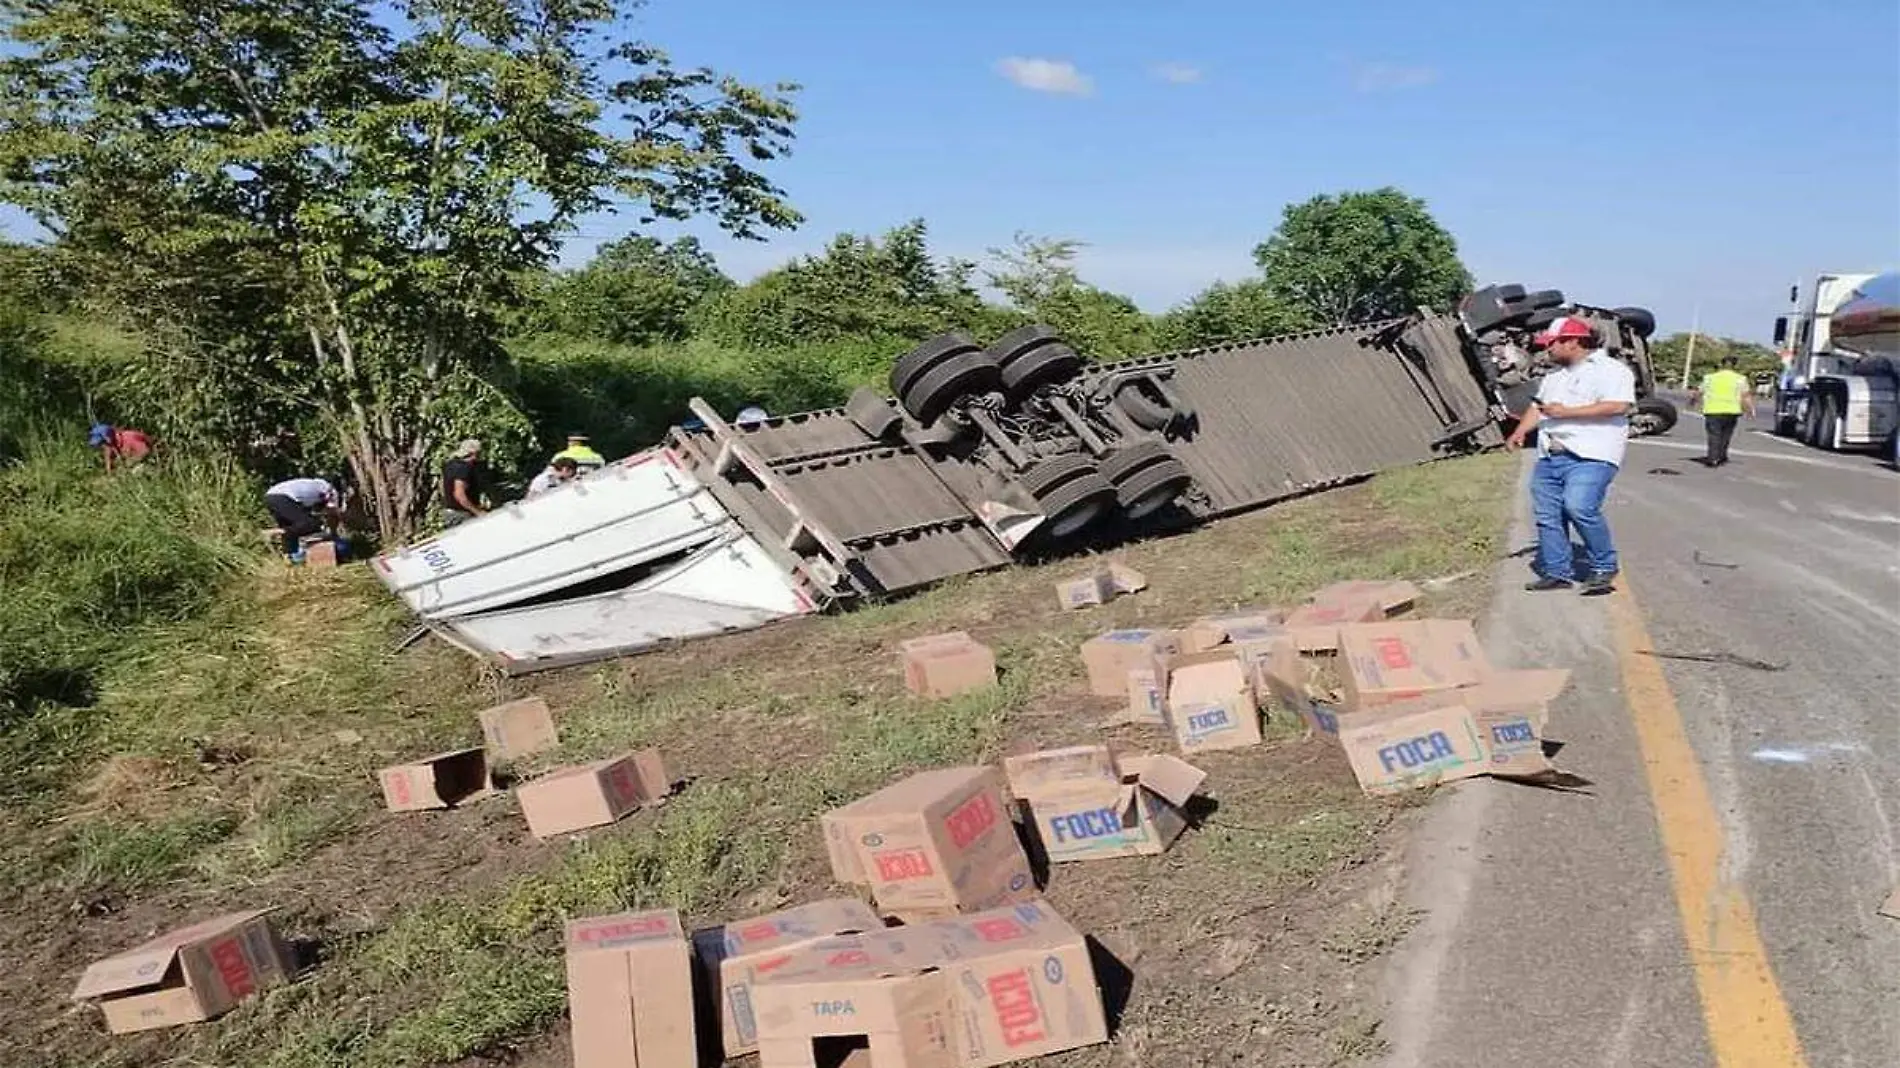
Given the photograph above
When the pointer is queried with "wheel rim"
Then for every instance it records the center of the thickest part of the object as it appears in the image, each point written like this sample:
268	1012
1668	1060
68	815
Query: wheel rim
1075	519
1152	503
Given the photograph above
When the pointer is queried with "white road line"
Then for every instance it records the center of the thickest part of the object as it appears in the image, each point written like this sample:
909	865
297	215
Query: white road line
1810	461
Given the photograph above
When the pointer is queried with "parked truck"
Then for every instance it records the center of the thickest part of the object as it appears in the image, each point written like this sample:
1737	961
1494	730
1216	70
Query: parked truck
981	455
1838	387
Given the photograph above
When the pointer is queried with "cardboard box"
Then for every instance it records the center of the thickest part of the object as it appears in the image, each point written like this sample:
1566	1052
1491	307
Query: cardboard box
1414	744
735	955
191	974
592	794
1892	906
1146	702
1022	985
943	665
1392	596
882	996
1100	586
1283	678
1109	657
1397	660
1211	702
440	781
1088	805
320	555
940	840
517	729
1211	632
630	991
1315	627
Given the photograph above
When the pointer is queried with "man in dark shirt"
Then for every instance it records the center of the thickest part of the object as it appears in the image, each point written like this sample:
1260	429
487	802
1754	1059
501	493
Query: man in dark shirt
463	479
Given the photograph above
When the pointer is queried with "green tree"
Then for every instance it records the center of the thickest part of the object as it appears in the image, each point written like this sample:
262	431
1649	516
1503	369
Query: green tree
1039	277
635	291
1230	311
1667	354
1358	256
885	290
321	206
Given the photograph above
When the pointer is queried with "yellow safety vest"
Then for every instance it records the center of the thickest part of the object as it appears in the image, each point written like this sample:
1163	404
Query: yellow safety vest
1722	392
582	456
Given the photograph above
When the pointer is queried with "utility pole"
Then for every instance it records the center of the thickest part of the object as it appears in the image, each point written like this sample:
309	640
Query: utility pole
1688	358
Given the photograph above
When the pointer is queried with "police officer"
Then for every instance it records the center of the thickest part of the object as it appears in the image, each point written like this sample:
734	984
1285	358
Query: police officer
1724	395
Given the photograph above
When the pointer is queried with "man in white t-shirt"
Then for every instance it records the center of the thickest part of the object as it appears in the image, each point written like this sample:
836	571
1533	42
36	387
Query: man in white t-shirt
1581	416
294	504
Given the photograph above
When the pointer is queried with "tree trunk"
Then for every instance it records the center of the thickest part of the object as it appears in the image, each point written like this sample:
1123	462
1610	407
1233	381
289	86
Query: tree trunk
395	487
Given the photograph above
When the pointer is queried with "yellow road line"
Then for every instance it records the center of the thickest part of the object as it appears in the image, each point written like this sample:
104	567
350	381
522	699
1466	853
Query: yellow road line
1748	1021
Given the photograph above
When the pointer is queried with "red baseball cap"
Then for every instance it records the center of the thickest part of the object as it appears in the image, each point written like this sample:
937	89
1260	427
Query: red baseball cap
1562	327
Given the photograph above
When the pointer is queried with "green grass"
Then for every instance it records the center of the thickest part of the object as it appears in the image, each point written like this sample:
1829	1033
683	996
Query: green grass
130	855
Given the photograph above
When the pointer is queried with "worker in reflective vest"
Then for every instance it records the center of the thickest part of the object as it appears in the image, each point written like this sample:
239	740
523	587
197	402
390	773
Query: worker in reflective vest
582	454
1724	396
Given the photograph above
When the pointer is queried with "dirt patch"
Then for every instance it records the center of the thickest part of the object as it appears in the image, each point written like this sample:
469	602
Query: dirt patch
436	930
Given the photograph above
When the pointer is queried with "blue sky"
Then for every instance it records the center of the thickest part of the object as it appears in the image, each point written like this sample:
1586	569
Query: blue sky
1673	154
1680	154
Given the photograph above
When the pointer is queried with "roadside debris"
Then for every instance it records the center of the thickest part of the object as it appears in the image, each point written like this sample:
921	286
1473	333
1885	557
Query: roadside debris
1706	562
1664	471
188	975
1086	803
1891	908
1100	586
445	780
733	956
630	991
1109	657
517	729
593	794
1717	658
944	665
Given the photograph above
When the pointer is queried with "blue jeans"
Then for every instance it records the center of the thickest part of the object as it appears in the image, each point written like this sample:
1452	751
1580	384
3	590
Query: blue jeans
1568	492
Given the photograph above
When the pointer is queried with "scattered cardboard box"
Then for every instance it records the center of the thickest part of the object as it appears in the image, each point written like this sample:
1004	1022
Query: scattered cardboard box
1892	907
440	781
1397	660
630	991
1315	627
938	842
1100	586
592	794
191	974
1146	702
732	957
1211	702
943	665
1393	596
861	1001
320	555
1109	657
1211	632
517	729
1086	804
1022	985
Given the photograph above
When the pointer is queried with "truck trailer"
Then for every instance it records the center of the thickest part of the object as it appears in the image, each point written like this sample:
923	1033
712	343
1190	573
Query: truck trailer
979	456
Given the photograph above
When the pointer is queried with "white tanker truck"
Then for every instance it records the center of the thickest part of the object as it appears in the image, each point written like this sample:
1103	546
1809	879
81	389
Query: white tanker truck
1840	387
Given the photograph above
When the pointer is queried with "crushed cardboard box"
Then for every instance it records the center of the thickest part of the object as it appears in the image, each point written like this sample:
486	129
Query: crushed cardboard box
191	974
1100	586
1109	657
1315	627
518	729
630	991
1392	596
444	780
732	957
1892	906
1211	703
944	665
1088	804
592	794
938	842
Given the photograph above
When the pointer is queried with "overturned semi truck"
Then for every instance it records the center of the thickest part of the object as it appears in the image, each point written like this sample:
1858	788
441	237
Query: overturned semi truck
981	456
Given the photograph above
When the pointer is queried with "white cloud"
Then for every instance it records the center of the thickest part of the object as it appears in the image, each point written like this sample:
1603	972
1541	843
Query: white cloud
1178	73
1045	75
1383	77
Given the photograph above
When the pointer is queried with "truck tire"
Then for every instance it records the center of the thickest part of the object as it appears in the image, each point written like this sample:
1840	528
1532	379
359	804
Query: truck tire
1148	413
914	364
1071	493
1032	357
1147	477
1641	320
872	414
1653	416
1828	426
958	375
1544	298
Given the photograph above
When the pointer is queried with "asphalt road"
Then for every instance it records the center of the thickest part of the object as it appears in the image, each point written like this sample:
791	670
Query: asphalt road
1710	899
